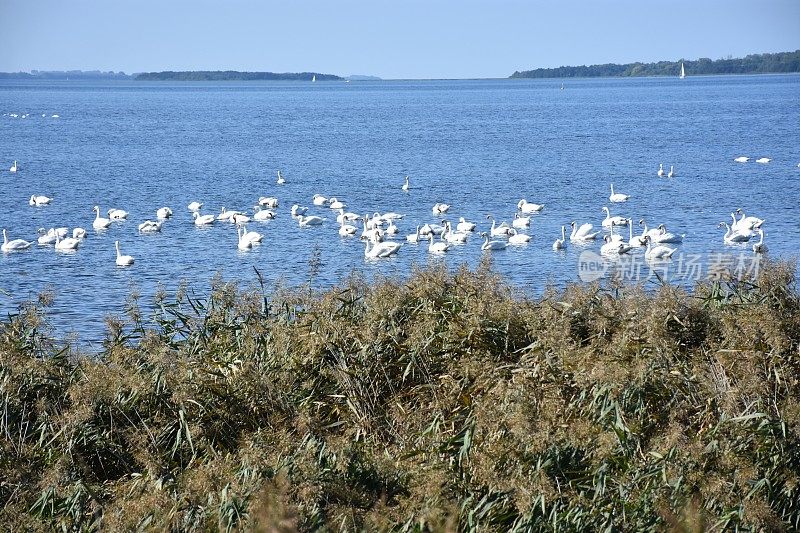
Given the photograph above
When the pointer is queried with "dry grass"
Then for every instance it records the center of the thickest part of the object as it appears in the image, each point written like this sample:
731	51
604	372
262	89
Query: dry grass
442	403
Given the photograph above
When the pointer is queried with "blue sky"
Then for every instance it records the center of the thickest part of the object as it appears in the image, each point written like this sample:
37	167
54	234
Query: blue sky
398	39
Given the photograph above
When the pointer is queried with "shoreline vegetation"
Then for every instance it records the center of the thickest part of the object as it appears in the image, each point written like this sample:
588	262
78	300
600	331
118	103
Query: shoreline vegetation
777	63
440	402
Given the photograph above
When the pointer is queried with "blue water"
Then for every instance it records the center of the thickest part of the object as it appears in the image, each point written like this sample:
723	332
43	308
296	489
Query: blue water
477	145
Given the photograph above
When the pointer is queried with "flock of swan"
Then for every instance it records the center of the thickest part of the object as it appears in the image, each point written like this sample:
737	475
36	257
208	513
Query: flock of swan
381	234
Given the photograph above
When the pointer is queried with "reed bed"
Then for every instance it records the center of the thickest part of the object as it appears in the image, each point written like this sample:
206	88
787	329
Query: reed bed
444	402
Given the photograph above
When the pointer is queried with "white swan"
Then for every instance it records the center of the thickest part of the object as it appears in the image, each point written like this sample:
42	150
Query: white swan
194	206
558	244
582	234
520	221
117	214
100	222
438	247
40	200
660	170
392	229
616	221
635	240
13	167
298	210
492	245
202	220
503	230
346	230
79	233
463	226
226	215
164	213
742	159
760	247
305	221
122	260
763	160
664	237
380	249
46	236
67	245
243	244
733	237
527	207
613	236
617	197
414	237
652	233
658	252
671	172
612	247
427	229
318	200
453	237
746	222
148	226
405	186
439	208
346	217
518	238
391	215
11	246
252	236
369	232
269	202
240	219
333	203
281	180
263	214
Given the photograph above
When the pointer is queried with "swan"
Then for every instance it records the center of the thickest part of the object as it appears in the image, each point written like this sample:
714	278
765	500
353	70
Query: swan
68	244
760	247
240	219
369	232
117	214
453	237
298	210
263	214
733	237
618	196
763	160
392	229
243	244
333	203
660	170
252	236
582	234
742	159
558	244
79	233
148	226
498	231
226	215
427	229
46	236
664	237
657	252
164	213
122	260
318	200
518	238
346	230
305	221
671	172
613	236
281	180
526	207
520	221
13	168
742	226
61	232
414	237
439	208
268	201
194	206
616	221
405	186
653	233
612	247
463	226
635	240
380	249
100	222
11	246
747	222
346	217
438	247
391	215
492	245
202	220
40	200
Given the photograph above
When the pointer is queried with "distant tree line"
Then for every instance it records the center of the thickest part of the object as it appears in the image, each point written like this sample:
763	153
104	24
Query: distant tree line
232	75
64	75
752	64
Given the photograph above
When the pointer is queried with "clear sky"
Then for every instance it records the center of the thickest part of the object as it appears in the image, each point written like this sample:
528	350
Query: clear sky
391	39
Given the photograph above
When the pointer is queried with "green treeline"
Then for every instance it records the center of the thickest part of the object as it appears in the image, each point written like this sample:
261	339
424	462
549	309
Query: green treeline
232	75
781	62
441	402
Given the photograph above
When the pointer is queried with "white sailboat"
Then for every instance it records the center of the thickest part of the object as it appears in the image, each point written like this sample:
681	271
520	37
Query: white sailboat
313	78
683	72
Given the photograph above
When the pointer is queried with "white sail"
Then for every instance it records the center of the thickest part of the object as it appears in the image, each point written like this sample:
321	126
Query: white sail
683	72
314	78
